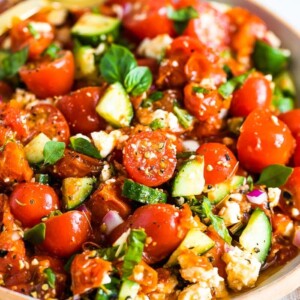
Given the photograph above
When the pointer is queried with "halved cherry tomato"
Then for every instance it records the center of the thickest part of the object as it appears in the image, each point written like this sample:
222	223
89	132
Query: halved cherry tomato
149	158
66	233
79	110
31	201
36	35
48	119
49	78
202	105
162	224
291	119
220	162
211	127
255	93
296	158
264	140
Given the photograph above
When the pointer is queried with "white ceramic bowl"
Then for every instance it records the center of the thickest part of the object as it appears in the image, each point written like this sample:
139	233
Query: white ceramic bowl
287	278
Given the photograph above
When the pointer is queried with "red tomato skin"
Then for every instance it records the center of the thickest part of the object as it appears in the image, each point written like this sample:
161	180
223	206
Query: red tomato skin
79	108
162	226
264	140
66	233
146	162
220	162
50	78
31	201
291	119
296	156
255	93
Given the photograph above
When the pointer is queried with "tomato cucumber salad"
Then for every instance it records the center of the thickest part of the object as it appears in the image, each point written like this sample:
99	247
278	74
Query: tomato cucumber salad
149	150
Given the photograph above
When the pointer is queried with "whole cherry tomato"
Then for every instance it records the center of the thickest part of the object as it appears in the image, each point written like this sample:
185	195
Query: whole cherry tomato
264	140
220	162
79	110
31	201
149	158
48	119
255	93
296	158
291	119
66	233
49	78
36	35
162	224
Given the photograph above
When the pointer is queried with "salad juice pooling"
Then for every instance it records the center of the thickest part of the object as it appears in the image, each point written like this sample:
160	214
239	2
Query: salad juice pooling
149	150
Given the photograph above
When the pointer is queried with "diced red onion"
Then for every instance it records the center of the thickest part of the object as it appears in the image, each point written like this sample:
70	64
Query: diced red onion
296	238
112	219
83	208
257	197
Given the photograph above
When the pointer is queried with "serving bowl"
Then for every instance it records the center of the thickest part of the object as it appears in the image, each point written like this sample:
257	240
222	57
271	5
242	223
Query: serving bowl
278	283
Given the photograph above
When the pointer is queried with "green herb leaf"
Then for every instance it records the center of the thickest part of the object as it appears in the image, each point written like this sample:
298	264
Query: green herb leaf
116	63
138	80
274	175
111	253
36	234
216	221
33	31
200	90
51	277
157	124
53	152
83	146
52	51
155	96
10	63
134	252
42	178
109	291
184	118
227	88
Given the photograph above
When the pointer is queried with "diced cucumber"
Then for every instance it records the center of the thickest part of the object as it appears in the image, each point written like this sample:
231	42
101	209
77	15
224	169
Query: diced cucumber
85	60
76	190
256	237
35	148
189	180
115	106
129	290
285	83
221	190
141	193
92	29
196	241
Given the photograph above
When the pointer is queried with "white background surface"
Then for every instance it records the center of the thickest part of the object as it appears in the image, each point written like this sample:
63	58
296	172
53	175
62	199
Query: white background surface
287	9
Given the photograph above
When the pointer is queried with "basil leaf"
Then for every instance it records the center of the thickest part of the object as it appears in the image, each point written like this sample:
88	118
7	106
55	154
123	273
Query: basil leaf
227	88
111	253
53	152
52	51
216	221
33	31
116	63
155	96
157	124
10	63
138	80
36	234
83	146
200	90
274	175
184	118
51	277
134	252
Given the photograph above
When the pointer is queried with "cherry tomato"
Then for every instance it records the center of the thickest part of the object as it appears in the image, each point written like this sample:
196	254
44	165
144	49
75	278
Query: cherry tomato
149	158
220	162
255	93
211	127
36	35
6	91
202	105
49	78
31	201
162	224
297	153
48	119
291	119
290	196
66	233
264	140
79	110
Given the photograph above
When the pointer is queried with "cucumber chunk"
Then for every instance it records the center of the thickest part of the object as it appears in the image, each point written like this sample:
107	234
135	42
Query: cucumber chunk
256	237
189	180
85	61
115	106
76	190
92	29
35	148
195	240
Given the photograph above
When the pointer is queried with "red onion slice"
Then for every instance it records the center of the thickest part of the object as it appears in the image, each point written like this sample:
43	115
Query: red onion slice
296	238
111	220
257	197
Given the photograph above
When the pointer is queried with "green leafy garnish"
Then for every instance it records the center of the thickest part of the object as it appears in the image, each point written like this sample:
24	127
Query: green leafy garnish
36	234
181	17
134	252
200	90
155	96
10	63
53	152
83	146
109	291
184	118
52	51
274	175
42	178
33	31
157	124
216	221
111	253
281	102
51	278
